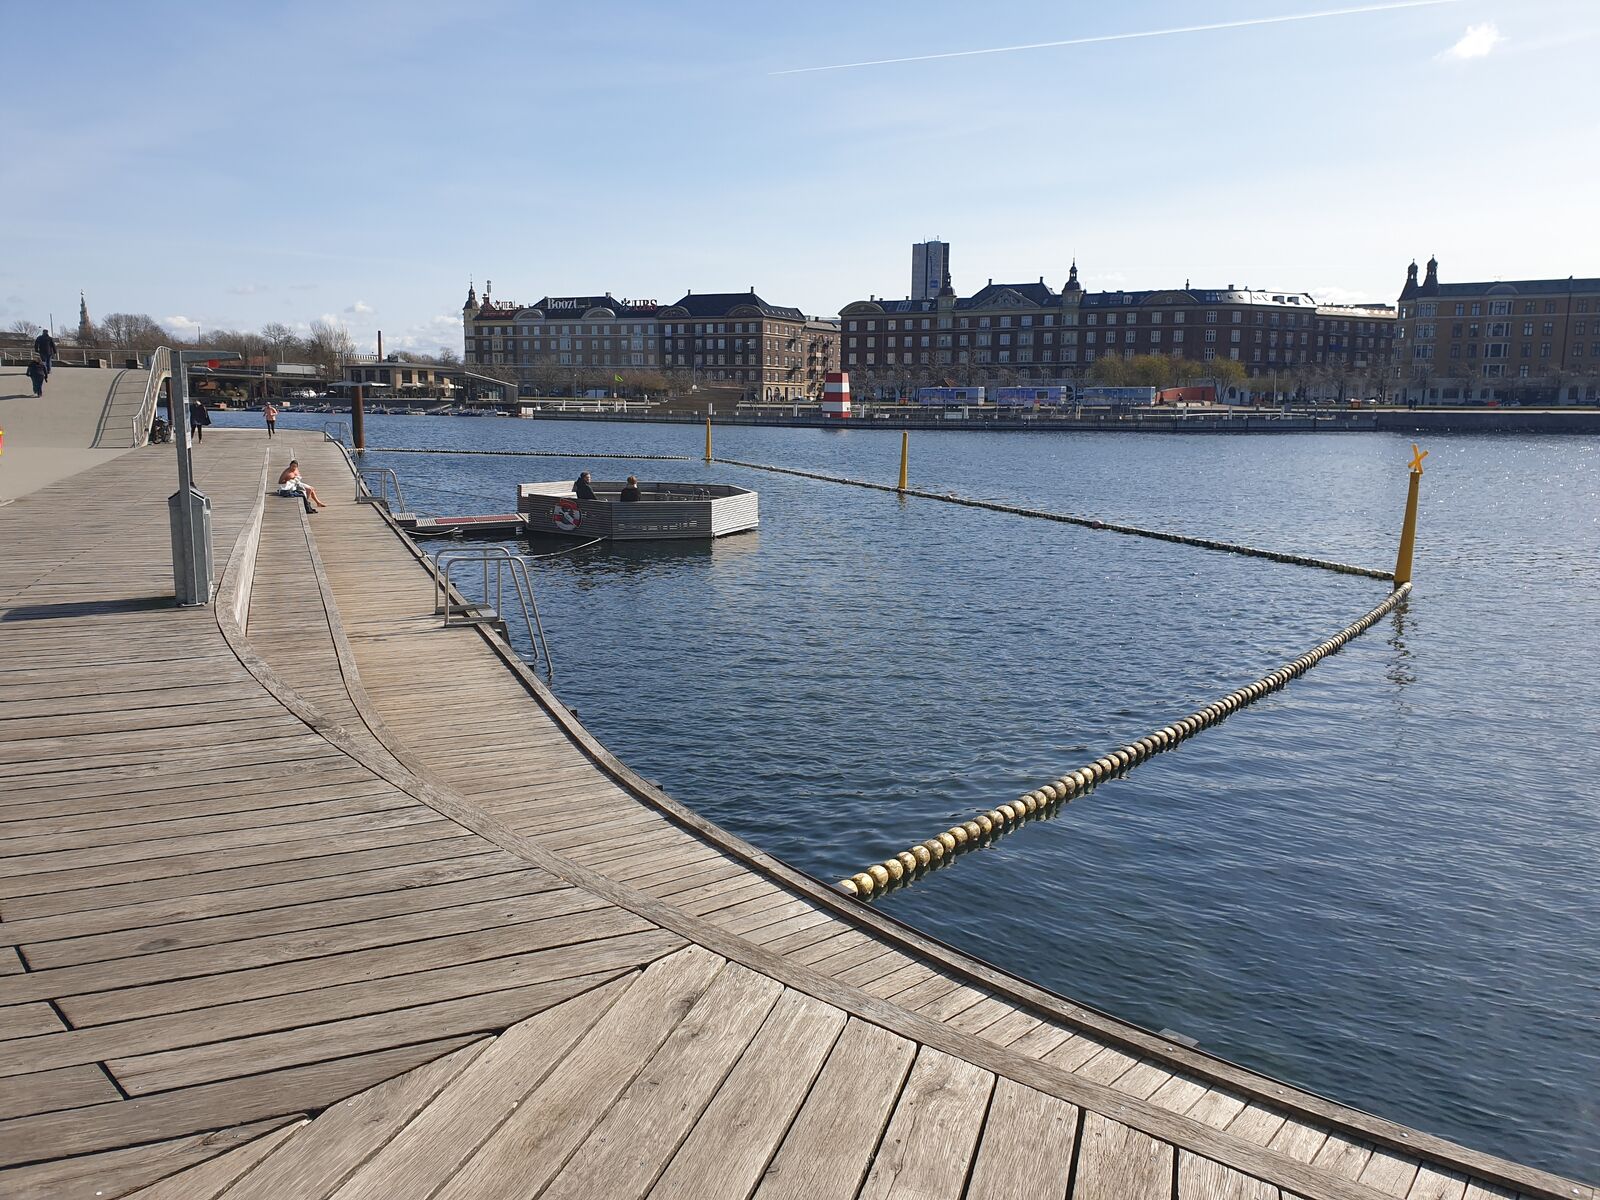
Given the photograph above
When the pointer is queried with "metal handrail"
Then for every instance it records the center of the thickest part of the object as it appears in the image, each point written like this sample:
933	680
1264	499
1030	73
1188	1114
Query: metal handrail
505	563
329	428
388	476
160	367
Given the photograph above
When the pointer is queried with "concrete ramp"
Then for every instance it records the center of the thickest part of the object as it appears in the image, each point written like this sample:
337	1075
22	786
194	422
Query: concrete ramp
84	418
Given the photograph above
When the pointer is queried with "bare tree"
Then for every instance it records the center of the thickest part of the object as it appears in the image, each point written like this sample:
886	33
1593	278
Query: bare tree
25	328
134	333
329	346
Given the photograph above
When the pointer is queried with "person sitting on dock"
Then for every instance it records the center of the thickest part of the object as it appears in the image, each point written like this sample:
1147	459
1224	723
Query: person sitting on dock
291	484
630	491
583	488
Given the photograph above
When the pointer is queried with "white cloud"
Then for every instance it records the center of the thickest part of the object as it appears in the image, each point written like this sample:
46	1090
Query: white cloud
360	306
1476	42
249	289
181	324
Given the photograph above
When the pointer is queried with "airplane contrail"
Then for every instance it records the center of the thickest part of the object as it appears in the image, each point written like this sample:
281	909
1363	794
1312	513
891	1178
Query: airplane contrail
1124	37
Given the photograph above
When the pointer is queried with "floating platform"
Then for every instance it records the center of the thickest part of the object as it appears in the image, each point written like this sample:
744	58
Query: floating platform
664	511
489	525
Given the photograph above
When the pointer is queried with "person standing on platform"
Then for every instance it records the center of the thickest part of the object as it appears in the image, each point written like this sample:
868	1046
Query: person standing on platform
199	418
45	347
271	414
38	373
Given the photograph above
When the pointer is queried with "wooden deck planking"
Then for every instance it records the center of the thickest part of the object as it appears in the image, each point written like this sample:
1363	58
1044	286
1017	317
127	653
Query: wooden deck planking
223	937
1026	1150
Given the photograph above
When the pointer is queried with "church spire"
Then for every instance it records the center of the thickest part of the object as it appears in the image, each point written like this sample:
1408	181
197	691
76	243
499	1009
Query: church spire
85	326
472	296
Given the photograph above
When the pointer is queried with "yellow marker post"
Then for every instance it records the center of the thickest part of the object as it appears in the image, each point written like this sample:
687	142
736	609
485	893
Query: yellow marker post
1408	532
905	454
708	437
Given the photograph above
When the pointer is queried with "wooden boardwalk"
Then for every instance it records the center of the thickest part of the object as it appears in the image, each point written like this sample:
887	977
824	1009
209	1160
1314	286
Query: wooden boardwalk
283	915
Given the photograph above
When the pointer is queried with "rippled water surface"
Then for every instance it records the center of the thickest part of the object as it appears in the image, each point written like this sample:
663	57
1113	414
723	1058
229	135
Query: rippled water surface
1379	883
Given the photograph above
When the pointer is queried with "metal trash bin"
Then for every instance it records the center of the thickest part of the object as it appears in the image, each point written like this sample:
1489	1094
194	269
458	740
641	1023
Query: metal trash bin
190	517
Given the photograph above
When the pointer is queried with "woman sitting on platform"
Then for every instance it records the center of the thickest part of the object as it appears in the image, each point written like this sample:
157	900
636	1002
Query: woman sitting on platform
630	492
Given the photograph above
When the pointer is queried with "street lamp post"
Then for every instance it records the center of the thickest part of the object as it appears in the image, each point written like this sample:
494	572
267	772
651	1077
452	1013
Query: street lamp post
189	509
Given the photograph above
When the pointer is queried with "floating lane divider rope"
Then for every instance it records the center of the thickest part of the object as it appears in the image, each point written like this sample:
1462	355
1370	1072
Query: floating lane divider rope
986	828
523	453
1299	560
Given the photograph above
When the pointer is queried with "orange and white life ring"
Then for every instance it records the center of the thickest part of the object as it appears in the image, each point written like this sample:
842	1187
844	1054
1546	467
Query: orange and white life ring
568	516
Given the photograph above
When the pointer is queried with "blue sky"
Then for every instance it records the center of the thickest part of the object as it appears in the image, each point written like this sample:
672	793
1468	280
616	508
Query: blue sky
233	164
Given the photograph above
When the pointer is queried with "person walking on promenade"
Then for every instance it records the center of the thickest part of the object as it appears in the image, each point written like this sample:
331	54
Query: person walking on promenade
45	347
38	373
271	414
199	418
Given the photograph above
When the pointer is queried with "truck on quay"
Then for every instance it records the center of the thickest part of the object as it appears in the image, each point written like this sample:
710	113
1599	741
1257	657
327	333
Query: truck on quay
1055	396
1117	397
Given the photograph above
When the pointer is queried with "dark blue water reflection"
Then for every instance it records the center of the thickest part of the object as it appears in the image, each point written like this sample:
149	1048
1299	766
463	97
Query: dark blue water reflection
1378	883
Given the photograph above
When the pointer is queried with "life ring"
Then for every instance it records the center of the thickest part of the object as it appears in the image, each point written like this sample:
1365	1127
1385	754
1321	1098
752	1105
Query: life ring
568	516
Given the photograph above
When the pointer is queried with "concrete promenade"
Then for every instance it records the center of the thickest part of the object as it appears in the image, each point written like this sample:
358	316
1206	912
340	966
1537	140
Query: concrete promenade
302	895
83	419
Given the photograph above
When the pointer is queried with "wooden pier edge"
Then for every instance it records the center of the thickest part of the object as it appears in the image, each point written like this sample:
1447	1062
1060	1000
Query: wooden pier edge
413	777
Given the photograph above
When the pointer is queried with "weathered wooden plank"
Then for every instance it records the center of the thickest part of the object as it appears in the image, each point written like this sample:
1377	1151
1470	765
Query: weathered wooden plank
447	1131
210	1179
632	1143
49	1091
1026	1149
26	1020
828	1148
531	1146
934	1131
117	1172
1200	1178
224	1025
737	1134
1390	1173
455	889
323	1154
1434	1184
63	983
355	852
1118	1163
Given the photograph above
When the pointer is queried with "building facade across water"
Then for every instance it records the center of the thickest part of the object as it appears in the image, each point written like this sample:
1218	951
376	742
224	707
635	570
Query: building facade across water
1530	340
1038	334
723	340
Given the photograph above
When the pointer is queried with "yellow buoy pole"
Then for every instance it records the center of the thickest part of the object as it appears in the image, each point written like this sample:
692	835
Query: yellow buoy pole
1408	532
905	453
708	437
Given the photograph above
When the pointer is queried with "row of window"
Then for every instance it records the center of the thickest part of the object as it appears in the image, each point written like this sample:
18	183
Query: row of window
1497	308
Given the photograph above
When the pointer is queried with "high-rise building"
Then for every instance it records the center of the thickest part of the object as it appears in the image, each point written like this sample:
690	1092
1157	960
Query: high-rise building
930	263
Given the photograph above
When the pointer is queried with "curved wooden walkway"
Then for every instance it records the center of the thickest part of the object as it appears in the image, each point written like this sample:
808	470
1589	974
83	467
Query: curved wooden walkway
282	916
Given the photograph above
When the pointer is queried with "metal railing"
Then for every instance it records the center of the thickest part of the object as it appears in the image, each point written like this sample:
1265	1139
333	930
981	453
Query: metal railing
336	431
160	368
505	564
388	478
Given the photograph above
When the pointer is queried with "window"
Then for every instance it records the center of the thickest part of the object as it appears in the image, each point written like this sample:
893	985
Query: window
1549	328
1477	310
851	326
1211	336
1235	338
1128	335
1499	308
1544	349
1527	329
1549	306
1237	316
1427	310
1177	318
1091	319
1155	318
1211	316
1111	318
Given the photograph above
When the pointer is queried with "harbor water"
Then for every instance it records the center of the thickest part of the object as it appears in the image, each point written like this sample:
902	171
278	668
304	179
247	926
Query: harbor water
1379	884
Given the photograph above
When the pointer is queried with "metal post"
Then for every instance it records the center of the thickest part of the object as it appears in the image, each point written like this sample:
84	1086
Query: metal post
905	453
188	508
358	431
1408	531
708	435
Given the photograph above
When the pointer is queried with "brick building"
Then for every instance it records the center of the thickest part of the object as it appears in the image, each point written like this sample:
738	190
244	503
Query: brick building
1033	333
1532	340
721	339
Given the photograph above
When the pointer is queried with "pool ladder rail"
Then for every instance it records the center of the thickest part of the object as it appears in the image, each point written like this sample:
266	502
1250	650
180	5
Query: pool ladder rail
506	565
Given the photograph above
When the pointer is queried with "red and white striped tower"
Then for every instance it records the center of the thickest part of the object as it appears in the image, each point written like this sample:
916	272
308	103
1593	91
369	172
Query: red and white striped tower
836	395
